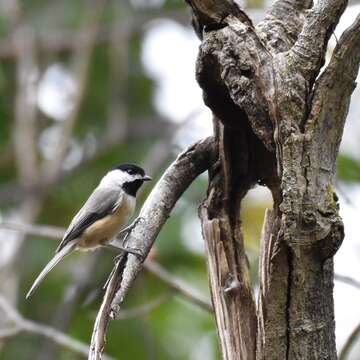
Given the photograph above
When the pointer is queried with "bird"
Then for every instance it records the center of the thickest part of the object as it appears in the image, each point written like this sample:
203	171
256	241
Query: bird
106	212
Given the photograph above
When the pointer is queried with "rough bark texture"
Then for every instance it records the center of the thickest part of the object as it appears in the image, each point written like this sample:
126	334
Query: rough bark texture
279	125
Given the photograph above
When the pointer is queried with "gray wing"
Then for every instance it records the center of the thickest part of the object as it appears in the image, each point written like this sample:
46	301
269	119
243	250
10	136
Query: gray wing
101	202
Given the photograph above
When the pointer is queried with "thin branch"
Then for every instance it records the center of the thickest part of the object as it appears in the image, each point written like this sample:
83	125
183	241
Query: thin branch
347	280
25	147
310	47
154	213
50	41
345	351
47	231
145	309
81	282
98	337
138	129
23	324
152	267
178	285
80	64
25	109
9	332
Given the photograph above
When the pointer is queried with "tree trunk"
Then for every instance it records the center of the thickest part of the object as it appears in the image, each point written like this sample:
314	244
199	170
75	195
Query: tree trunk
276	124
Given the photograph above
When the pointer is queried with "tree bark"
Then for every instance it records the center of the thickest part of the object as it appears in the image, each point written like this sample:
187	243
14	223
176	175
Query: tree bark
280	125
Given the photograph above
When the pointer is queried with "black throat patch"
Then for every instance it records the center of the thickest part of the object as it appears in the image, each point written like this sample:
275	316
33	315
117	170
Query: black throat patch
132	187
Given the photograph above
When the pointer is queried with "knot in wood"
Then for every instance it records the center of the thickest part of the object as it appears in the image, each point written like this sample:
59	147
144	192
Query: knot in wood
232	284
309	218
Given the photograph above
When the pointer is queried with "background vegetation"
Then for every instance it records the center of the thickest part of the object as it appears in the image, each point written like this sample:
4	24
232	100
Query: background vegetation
78	97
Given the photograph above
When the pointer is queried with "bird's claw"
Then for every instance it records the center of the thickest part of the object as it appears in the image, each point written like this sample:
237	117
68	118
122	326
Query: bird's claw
134	251
126	231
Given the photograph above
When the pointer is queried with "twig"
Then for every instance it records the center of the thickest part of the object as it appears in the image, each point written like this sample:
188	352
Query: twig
178	285
81	281
25	146
51	232
56	233
138	129
153	267
345	351
80	65
347	280
9	332
103	316
54	41
145	309
23	324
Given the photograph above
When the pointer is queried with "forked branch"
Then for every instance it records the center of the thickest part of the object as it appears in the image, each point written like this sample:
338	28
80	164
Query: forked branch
310	47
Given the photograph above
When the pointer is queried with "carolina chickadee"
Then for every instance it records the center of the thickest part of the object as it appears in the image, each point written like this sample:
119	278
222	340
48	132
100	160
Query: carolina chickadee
103	215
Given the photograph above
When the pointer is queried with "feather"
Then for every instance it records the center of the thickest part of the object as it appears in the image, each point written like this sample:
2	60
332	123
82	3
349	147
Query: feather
101	202
66	250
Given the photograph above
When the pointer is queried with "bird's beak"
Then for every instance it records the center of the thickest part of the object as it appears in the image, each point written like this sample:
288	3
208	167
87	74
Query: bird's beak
147	178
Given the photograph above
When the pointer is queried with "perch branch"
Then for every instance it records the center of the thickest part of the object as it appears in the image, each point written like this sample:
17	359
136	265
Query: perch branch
180	174
98	337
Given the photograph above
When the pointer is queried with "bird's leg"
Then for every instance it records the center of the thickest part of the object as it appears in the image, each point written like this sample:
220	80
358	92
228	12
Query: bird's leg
134	251
121	250
130	227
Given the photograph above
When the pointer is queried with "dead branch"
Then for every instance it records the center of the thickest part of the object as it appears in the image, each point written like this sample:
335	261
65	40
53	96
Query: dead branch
348	280
143	310
310	47
154	213
178	285
152	266
80	285
25	148
98	337
80	64
345	351
21	324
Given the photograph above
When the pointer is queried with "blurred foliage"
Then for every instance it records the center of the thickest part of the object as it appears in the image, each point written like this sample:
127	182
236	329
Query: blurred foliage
172	330
176	329
348	168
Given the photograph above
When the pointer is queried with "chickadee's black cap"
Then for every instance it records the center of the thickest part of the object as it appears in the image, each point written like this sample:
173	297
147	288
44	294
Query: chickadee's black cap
131	169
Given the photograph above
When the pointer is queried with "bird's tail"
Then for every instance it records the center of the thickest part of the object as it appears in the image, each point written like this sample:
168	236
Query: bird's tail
66	250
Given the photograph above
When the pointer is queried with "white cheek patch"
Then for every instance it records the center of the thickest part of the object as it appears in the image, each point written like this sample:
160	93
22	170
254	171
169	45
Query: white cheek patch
115	178
118	178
